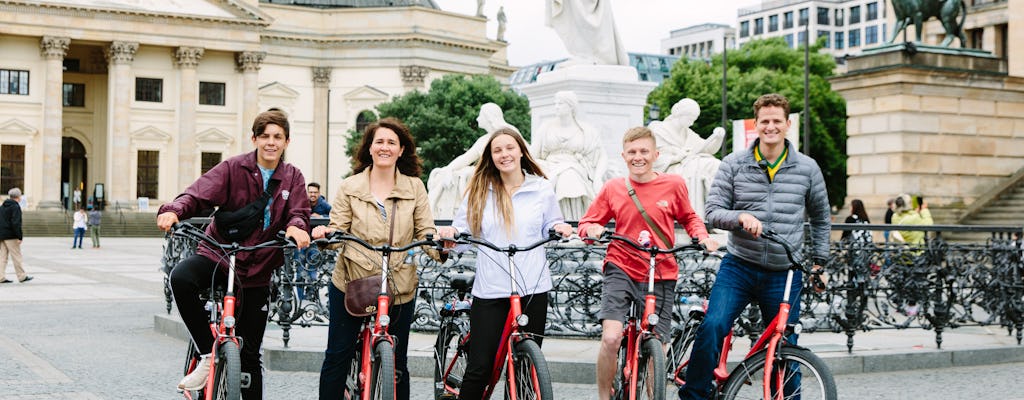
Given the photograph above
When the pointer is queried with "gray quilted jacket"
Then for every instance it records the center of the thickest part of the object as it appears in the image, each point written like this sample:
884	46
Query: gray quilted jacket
798	192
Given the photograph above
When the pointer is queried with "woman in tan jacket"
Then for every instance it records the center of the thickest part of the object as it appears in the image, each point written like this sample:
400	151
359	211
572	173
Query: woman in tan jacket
384	190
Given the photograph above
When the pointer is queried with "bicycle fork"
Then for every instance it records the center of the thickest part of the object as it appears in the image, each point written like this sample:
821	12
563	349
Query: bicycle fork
222	327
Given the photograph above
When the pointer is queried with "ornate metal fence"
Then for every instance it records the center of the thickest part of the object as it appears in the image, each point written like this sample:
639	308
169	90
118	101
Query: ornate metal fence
939	285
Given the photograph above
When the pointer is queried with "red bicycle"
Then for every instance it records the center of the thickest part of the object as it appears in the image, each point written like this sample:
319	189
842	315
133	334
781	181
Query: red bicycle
226	379
641	359
372	374
774	368
526	371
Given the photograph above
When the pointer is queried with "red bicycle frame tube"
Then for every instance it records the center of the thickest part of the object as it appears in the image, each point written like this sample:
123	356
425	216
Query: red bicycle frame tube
221	332
509	336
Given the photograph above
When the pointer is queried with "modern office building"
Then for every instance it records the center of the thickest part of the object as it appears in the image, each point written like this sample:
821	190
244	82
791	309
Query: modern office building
699	42
144	96
848	26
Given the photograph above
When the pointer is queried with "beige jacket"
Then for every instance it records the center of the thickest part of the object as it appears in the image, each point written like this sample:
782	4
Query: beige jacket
354	210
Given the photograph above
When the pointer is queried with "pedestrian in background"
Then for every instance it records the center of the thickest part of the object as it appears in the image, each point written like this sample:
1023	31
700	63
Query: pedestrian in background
95	217
10	236
910	211
857	216
79	228
890	207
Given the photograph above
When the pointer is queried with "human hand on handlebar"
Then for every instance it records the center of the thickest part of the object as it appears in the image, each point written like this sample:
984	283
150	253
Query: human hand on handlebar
709	243
321	231
819	278
594	232
563	229
447	235
300	236
751	224
166	221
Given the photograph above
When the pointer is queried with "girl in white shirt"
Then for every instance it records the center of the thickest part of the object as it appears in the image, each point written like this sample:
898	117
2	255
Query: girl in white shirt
79	227
508	200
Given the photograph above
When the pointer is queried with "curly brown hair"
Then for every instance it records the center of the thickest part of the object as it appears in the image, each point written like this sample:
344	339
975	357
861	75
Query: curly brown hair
772	100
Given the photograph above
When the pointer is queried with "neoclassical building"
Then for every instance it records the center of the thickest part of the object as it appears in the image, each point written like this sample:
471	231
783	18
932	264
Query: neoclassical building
142	96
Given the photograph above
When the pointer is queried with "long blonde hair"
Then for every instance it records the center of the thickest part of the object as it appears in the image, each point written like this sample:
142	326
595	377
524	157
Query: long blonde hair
486	178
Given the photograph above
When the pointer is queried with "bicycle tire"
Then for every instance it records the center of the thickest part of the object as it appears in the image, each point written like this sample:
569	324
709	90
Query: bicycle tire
678	355
650	370
382	372
449	360
815	379
533	379
227	384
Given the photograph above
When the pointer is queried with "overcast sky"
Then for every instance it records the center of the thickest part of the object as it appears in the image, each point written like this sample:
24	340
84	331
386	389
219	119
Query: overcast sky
641	23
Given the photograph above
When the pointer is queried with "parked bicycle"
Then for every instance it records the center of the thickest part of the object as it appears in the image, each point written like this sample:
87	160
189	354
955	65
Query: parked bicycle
372	373
793	372
519	355
226	379
641	359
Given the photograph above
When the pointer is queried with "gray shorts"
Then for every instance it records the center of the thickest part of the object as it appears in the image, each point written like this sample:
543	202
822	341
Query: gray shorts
619	292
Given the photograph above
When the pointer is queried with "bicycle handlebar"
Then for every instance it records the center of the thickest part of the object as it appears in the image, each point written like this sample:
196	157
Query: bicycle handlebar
608	236
466	238
188	230
339	236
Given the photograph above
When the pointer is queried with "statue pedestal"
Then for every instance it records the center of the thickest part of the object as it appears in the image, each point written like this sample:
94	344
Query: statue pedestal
611	97
936	122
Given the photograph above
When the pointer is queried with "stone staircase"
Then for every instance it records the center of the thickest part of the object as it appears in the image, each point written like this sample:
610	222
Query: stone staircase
1001	206
115	224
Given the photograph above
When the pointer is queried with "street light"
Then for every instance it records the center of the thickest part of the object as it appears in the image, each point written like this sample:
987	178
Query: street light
654	112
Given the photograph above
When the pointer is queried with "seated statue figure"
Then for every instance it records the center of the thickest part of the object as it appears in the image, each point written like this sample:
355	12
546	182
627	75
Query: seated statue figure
685	153
587	30
570	153
446	185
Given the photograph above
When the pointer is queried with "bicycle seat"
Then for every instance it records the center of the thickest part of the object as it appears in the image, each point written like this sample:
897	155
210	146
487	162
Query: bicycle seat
462	282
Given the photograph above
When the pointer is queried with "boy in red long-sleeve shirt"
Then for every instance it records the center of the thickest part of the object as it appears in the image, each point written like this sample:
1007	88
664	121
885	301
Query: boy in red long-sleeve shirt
665	199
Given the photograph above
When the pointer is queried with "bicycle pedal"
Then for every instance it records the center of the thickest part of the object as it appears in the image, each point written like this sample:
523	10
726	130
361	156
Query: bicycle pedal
246	380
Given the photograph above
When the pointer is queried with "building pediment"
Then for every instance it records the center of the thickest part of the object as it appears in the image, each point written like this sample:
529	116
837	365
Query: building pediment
150	134
214	135
222	10
278	90
15	127
366	92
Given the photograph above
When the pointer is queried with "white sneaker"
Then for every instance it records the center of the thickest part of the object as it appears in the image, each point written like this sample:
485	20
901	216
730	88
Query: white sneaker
197	378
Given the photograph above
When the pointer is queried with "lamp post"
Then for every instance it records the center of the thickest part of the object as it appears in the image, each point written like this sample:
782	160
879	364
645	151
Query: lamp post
807	87
654	112
725	96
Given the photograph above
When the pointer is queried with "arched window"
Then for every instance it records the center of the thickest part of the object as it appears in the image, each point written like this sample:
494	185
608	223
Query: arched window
364	118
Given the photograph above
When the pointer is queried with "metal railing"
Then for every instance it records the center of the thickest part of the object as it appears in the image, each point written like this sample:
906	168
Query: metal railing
938	285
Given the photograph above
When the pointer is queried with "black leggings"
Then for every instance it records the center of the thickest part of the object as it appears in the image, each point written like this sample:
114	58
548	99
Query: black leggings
189	279
487	321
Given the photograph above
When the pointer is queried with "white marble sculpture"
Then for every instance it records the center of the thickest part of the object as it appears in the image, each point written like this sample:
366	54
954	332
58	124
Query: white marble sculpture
570	153
588	31
685	153
447	184
502	21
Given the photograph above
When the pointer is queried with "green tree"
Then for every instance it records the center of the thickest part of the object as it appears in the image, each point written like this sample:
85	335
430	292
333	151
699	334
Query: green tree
443	120
759	67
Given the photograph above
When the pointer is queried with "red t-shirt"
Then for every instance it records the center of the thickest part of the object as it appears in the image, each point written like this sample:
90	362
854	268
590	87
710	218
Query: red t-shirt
666	201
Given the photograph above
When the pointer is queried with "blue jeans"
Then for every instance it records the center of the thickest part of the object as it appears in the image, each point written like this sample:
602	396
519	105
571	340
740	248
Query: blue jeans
77	240
735	286
341	345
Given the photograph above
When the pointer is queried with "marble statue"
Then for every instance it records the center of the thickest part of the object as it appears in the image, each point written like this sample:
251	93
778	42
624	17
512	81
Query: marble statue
502	20
685	153
588	31
480	8
447	184
571	154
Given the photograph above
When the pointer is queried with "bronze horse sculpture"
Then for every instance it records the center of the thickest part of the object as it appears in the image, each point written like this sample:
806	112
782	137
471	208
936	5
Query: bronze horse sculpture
920	11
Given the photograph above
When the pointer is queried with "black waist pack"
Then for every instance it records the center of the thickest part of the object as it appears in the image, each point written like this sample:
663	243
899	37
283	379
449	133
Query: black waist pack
241	223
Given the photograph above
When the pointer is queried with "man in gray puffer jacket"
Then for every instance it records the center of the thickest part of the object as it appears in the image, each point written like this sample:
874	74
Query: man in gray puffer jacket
768	186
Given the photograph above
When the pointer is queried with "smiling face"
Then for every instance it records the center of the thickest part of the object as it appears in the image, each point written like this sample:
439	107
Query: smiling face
270	146
385	148
639	155
506	154
772	125
314	194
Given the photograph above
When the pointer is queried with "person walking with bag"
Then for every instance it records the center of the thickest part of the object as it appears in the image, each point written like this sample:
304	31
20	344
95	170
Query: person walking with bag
10	236
384	201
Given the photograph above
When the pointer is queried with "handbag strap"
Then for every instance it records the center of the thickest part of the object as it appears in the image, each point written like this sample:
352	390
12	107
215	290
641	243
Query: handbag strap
643	213
391	231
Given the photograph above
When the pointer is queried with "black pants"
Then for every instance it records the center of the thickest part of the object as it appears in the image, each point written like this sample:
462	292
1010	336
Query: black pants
342	333
192	277
486	323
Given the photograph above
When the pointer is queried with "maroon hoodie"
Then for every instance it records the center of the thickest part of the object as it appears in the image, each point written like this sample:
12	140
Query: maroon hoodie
231	185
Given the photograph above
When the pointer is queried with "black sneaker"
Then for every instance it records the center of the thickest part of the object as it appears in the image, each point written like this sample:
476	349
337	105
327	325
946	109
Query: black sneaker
6	281
27	278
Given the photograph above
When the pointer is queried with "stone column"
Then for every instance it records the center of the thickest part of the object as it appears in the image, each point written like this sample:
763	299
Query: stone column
248	63
321	93
187	59
53	50
120	55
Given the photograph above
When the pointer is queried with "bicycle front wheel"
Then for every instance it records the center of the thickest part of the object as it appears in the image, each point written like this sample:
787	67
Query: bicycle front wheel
382	378
800	374
651	371
532	378
449	361
227	382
